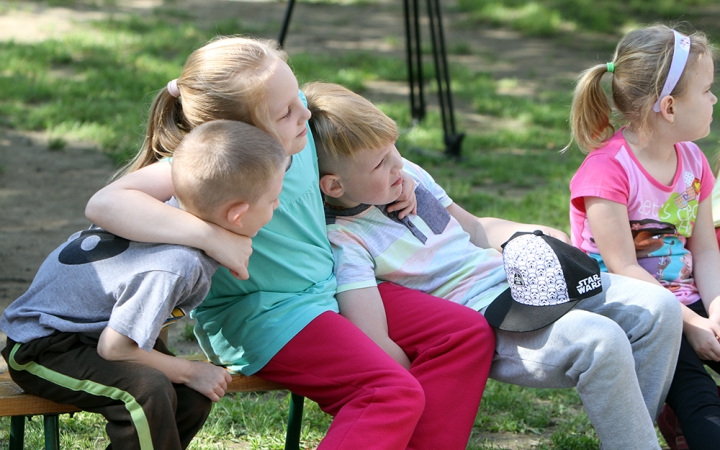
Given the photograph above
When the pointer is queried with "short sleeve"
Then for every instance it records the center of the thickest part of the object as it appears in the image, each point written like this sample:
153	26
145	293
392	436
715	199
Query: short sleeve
146	300
708	178
423	178
354	265
600	175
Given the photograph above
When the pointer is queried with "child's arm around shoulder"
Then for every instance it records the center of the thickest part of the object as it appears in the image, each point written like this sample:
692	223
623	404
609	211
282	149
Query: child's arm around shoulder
133	207
207	379
365	309
491	232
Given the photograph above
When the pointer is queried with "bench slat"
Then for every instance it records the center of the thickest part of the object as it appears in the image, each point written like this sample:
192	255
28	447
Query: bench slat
14	402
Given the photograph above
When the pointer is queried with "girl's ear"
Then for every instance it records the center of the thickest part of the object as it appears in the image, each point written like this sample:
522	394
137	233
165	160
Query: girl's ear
330	185
667	109
235	213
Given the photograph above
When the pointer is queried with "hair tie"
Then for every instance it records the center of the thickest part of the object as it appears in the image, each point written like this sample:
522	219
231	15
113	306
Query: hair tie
610	67
172	88
680	57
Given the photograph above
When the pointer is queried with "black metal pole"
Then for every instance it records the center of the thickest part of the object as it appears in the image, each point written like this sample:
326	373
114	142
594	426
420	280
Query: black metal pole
286	22
453	140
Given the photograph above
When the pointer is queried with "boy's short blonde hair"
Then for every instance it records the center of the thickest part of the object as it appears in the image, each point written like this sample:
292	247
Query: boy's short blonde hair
344	123
224	161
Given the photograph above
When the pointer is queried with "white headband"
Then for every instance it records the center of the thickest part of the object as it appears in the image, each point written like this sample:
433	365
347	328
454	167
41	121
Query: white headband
172	88
680	57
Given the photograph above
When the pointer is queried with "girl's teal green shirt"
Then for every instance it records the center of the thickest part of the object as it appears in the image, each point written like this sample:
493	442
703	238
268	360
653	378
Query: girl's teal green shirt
242	324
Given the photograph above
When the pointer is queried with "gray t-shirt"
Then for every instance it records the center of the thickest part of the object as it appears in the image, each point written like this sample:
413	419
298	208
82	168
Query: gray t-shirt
97	279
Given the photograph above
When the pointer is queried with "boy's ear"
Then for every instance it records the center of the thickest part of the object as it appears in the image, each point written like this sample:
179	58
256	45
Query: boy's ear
235	213
330	185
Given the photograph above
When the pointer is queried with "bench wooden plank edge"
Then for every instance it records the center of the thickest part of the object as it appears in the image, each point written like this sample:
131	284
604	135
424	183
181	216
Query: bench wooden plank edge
15	402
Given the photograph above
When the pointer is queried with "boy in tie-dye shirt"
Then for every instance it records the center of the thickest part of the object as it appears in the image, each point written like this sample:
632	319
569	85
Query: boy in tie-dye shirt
448	252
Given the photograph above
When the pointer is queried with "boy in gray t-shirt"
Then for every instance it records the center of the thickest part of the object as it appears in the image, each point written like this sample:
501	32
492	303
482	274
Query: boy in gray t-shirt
86	331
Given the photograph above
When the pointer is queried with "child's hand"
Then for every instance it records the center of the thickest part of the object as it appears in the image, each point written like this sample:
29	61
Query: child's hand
209	380
703	335
407	202
231	251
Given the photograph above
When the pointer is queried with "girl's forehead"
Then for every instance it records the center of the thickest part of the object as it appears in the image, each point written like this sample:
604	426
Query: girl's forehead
282	81
705	65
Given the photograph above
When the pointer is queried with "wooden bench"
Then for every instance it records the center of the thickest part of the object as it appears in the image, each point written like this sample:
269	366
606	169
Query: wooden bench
19	405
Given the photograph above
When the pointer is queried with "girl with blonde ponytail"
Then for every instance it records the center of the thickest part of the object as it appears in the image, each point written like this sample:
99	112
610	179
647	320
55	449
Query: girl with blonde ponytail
283	323
641	204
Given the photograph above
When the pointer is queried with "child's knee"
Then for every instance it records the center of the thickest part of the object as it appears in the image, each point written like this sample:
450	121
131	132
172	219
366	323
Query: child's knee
404	390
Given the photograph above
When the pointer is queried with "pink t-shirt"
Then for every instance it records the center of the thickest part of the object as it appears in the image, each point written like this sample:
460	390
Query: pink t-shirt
661	217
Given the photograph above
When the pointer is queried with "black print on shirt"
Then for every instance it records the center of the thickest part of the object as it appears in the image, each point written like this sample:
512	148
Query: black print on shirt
91	246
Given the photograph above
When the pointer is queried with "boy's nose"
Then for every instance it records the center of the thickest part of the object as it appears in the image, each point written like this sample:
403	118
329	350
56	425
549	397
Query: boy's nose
398	162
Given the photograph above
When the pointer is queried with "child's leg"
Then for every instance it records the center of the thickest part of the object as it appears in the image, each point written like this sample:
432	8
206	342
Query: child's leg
375	401
192	409
694	397
139	402
451	347
621	364
651	318
589	352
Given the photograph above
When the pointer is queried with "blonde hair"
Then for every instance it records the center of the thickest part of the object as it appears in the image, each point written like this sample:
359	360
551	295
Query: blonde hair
224	161
641	65
344	123
224	79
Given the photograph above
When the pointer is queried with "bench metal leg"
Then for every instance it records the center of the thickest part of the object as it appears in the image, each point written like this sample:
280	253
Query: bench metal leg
17	432
292	440
52	432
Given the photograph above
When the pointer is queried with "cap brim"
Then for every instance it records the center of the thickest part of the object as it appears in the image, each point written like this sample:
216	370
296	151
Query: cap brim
506	314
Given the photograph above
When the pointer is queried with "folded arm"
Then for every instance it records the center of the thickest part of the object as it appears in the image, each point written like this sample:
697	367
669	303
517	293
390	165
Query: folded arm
133	207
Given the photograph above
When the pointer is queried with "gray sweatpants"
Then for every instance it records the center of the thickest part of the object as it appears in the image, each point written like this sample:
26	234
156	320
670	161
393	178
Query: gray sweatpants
619	348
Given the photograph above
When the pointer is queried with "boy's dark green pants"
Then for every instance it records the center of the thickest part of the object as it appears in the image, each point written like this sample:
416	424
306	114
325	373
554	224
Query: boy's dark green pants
144	409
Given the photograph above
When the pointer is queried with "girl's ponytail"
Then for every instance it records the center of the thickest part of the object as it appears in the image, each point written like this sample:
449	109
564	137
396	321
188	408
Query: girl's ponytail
165	129
224	79
590	112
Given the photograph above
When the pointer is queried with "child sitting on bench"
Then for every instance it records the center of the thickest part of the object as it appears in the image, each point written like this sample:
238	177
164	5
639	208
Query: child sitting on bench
86	331
610	337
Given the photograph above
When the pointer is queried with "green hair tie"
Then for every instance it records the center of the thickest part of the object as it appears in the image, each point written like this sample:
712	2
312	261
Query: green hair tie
611	67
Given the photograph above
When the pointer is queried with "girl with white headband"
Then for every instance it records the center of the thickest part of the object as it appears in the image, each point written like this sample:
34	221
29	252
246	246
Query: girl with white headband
641	204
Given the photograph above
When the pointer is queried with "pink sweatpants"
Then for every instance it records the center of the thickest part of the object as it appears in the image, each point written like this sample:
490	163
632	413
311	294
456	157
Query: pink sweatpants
375	402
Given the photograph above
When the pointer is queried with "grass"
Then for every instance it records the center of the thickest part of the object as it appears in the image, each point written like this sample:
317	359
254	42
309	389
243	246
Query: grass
553	17
96	84
259	420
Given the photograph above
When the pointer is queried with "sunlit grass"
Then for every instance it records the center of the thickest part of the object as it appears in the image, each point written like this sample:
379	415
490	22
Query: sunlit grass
550	17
